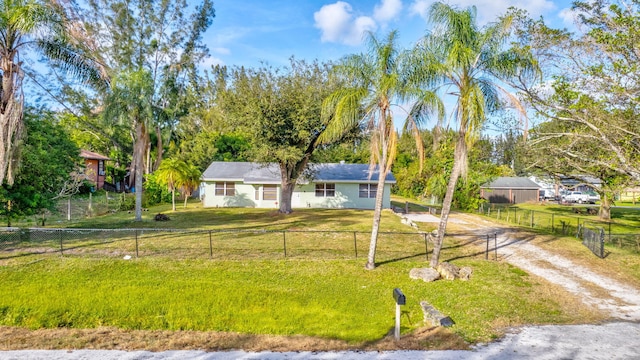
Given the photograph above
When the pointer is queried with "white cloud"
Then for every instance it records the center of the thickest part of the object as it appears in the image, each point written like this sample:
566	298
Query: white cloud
221	50
421	7
387	10
489	10
568	16
338	23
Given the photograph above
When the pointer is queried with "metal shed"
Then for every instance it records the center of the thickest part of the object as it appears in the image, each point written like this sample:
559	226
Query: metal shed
510	190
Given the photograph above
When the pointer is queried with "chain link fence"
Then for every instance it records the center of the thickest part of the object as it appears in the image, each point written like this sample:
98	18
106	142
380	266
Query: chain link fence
211	244
566	225
593	239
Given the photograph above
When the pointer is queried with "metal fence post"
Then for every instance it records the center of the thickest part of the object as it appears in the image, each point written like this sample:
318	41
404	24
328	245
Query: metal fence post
61	249
532	212
495	245
601	243
210	246
355	243
552	223
284	241
137	243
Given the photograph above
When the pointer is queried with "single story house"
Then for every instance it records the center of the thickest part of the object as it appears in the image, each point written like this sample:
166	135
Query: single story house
94	164
246	184
510	190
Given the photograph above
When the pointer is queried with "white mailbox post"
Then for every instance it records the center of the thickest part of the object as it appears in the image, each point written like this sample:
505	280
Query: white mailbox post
400	299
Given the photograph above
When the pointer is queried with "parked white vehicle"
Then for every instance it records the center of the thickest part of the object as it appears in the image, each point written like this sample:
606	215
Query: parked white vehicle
580	197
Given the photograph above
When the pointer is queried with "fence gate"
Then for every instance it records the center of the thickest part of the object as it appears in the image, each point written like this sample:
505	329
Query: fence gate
594	240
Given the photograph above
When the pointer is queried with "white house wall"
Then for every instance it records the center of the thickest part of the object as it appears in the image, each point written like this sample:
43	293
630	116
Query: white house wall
245	196
347	195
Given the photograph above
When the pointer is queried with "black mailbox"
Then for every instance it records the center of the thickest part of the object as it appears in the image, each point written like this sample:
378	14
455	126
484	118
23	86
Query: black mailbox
399	297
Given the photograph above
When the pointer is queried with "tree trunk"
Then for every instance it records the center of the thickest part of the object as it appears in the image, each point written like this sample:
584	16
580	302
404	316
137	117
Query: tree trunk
173	199
11	114
159	147
286	193
377	215
139	150
605	208
460	157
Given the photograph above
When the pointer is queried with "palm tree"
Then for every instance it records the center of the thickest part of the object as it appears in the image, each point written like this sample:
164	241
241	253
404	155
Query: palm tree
377	81
172	172
131	102
468	63
190	181
29	24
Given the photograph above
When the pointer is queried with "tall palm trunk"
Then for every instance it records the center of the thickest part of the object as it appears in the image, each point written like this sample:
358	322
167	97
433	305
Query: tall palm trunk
159	148
377	215
459	163
11	107
140	146
382	174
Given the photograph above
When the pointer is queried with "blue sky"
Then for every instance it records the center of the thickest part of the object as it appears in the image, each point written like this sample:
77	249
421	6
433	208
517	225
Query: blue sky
247	32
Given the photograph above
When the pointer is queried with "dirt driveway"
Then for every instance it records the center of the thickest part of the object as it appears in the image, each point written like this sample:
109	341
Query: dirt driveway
618	300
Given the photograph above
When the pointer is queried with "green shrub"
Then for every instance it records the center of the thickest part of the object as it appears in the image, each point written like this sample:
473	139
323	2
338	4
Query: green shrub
154	192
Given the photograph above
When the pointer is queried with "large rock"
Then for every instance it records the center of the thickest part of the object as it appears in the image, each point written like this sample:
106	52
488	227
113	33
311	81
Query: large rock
448	271
435	317
426	274
465	273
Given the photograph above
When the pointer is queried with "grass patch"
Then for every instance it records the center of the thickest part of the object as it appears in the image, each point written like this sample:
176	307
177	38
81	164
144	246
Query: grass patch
302	295
327	299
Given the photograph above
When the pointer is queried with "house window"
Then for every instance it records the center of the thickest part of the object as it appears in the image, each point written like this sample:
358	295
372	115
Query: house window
270	192
325	190
101	167
368	190
225	189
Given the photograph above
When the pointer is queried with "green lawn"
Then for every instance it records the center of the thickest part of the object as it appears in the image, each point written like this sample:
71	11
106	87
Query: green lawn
330	299
313	295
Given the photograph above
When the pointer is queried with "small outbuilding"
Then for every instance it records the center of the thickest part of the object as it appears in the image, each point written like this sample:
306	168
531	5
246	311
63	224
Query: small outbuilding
94	167
510	190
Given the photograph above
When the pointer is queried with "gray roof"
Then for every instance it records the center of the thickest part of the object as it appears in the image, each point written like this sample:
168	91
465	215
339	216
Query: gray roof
511	183
255	173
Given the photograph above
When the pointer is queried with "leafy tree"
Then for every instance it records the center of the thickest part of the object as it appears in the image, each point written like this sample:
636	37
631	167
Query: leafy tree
31	24
376	81
154	45
588	104
280	111
469	62
131	102
171	173
190	181
49	157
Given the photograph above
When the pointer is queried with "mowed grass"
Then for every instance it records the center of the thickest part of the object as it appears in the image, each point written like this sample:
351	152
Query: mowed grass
329	299
311	296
